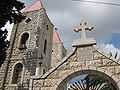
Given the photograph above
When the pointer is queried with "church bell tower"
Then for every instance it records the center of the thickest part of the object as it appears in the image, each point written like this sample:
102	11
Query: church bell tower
30	49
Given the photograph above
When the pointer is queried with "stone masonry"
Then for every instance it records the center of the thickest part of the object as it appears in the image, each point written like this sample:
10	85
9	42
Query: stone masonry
85	59
46	65
58	53
39	29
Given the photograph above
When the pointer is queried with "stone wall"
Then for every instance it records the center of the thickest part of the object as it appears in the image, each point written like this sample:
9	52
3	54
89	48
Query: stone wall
58	53
33	54
82	60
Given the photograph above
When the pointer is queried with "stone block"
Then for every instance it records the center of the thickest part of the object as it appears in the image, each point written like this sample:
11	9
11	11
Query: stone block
85	53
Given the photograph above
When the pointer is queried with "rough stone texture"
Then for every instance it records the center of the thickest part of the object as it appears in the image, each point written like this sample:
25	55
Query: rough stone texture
84	59
84	53
94	63
39	29
58	53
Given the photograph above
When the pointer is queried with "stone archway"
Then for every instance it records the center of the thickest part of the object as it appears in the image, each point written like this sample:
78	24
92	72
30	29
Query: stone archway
85	58
100	72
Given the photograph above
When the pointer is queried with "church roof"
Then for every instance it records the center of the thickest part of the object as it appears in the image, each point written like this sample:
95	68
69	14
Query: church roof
56	38
36	6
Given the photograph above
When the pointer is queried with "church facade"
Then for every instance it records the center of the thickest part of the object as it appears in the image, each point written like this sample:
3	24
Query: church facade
38	60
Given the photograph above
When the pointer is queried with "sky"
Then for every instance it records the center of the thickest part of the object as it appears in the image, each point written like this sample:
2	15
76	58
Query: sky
66	14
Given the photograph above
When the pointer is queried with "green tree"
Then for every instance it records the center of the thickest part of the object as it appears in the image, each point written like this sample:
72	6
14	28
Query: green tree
3	45
9	11
96	82
92	82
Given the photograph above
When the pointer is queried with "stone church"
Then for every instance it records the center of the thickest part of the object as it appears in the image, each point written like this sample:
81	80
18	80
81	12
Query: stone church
38	60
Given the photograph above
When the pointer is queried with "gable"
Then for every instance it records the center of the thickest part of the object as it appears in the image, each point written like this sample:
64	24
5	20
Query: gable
81	60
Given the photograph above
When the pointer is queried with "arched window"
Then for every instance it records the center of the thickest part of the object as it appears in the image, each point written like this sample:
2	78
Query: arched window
45	46
24	41
17	74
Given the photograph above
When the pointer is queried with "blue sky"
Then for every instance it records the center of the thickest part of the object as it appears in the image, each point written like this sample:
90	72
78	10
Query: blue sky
77	78
115	40
66	14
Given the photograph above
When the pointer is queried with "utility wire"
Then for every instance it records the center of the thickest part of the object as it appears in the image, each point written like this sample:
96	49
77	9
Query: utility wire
108	3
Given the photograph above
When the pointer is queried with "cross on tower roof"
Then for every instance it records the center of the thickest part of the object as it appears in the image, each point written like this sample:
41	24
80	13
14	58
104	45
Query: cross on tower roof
55	29
83	26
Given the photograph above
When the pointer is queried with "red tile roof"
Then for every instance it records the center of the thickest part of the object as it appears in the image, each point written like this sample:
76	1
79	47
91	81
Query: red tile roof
36	6
56	38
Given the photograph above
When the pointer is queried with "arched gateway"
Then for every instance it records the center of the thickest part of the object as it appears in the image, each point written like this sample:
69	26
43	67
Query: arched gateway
85	58
37	60
100	72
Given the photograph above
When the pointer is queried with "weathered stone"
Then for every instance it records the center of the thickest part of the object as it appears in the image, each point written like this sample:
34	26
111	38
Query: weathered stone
74	65
29	57
38	83
54	75
97	55
84	59
107	62
117	70
95	63
84	54
50	82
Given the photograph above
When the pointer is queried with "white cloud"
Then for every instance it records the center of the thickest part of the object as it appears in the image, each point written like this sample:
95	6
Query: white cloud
107	48
66	14
8	26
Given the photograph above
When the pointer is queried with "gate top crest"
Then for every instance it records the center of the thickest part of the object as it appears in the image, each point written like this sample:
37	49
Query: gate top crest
83	26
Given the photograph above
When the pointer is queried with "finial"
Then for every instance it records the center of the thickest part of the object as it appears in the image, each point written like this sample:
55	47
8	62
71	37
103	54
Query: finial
55	29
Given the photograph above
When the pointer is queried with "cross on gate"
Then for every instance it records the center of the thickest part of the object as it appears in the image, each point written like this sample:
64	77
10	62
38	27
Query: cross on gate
83	26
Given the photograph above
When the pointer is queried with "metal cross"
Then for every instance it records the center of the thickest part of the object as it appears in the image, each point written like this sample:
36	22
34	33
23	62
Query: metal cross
83	26
55	29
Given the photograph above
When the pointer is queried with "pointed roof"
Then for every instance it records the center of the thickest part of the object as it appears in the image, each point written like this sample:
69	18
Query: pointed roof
36	6
56	38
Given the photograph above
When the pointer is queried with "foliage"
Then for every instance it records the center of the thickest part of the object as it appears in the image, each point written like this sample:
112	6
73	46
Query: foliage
3	45
96	82
92	82
116	55
9	11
